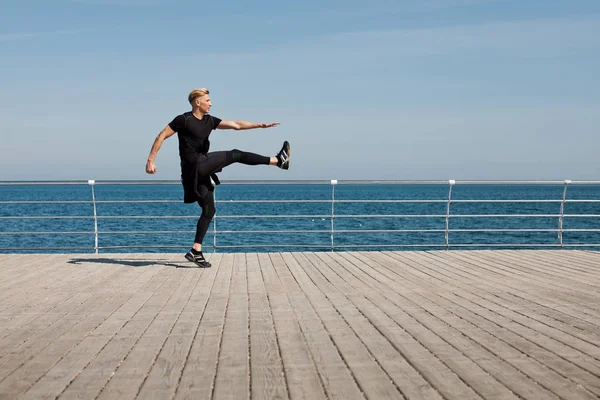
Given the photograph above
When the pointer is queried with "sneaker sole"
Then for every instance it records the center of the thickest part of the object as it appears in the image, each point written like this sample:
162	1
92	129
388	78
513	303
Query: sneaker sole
289	154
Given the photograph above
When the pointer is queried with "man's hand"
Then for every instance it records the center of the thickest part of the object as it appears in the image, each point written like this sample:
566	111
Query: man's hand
269	125
150	167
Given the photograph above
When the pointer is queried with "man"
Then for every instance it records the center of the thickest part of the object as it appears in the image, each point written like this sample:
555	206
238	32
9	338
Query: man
198	165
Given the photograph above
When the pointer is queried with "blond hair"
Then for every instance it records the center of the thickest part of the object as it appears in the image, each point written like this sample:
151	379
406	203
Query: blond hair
196	93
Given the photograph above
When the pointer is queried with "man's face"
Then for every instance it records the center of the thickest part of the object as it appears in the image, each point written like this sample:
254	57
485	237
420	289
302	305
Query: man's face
204	104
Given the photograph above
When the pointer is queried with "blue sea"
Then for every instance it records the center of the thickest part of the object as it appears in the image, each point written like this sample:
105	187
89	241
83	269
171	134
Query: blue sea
129	221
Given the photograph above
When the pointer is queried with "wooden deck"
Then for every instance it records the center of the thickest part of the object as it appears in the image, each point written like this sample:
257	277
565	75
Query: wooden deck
354	325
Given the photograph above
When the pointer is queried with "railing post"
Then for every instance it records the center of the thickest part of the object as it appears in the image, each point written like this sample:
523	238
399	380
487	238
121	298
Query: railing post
92	182
333	183
451	183
562	212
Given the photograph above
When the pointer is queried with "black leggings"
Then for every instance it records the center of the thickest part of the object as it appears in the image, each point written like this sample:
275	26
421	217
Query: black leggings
208	201
217	160
208	212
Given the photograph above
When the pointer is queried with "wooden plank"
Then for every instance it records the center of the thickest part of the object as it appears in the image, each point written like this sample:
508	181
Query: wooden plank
373	380
55	349
18	281
515	288
578	351
61	279
16	299
197	380
57	342
336	378
554	379
428	324
163	380
534	275
562	280
92	379
48	306
473	342
163	309
541	270
591	258
266	366
18	270
175	354
37	342
232	380
12	267
558	298
301	375
531	303
56	380
580	262
324	272
544	263
452	373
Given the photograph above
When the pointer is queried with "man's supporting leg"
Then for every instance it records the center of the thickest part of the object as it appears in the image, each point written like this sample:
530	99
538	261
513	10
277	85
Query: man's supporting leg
208	212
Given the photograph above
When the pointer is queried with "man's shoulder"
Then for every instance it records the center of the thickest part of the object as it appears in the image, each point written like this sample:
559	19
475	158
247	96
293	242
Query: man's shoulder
180	122
216	120
183	115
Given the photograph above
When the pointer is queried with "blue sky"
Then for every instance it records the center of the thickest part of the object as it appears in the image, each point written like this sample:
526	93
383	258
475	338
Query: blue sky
384	89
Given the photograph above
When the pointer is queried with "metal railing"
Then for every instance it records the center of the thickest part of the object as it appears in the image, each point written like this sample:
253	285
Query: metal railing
331	231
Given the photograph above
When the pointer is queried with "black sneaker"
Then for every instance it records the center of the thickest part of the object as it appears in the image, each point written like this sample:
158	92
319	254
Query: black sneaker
197	259
283	157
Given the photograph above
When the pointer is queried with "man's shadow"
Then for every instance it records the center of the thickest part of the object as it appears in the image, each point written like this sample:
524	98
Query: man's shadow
130	263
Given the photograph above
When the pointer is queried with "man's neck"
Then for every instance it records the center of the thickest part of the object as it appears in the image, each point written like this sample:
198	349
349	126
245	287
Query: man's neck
197	113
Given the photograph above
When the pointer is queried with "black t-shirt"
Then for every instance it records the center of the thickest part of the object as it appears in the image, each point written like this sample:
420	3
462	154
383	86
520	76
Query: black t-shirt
193	134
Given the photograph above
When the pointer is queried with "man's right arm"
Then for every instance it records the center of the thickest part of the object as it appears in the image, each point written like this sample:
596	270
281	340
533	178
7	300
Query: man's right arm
164	134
